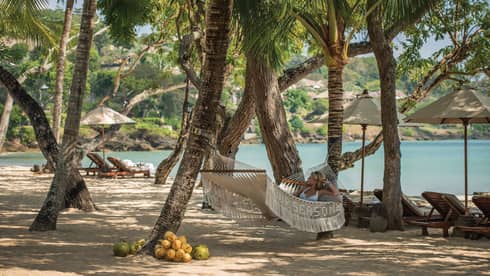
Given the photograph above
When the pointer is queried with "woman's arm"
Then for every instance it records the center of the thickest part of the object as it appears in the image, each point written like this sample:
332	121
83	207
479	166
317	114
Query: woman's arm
330	190
333	189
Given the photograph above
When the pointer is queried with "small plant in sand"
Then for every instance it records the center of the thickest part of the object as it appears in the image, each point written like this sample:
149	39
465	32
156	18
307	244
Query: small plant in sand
176	248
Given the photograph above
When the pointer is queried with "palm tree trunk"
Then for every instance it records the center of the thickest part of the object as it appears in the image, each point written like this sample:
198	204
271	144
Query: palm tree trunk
269	109
335	116
386	66
168	163
48	215
5	119
60	70
77	195
218	16
231	135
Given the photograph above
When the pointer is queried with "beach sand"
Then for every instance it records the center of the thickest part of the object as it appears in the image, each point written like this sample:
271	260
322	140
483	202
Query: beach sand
82	244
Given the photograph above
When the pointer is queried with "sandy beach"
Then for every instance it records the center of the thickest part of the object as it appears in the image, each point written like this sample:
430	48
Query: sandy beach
82	245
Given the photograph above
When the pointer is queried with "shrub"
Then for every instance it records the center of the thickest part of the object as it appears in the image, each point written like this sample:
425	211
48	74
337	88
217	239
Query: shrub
296	123
27	135
306	131
408	132
323	131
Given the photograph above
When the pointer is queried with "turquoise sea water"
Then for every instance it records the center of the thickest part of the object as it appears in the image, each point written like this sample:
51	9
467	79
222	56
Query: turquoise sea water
426	165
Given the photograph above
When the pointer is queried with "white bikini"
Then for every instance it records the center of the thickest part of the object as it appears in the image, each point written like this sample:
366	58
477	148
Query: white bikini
313	197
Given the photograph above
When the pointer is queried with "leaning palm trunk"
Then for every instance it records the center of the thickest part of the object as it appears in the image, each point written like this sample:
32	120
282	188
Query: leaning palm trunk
269	109
386	66
202	129
168	163
232	134
60	70
335	116
4	120
67	161
77	195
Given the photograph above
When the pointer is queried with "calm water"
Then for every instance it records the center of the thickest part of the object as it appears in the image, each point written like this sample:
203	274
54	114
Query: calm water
426	165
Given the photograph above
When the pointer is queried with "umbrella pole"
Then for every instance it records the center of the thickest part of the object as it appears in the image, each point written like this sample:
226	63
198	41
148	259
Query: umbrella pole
363	152
465	123
103	150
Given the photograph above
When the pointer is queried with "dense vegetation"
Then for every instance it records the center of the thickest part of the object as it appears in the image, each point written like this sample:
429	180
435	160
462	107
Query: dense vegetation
160	69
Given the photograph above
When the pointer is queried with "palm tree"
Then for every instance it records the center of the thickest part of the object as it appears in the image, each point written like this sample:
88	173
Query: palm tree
76	195
327	22
202	129
48	215
269	109
393	10
60	69
21	20
264	38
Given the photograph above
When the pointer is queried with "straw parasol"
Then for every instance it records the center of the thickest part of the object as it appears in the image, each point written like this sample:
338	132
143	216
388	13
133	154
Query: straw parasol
464	106
105	116
364	111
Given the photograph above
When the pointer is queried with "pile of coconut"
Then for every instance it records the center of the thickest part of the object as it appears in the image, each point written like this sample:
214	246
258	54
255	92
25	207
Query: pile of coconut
171	248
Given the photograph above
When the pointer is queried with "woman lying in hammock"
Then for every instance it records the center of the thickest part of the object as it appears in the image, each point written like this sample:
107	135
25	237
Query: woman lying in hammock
319	188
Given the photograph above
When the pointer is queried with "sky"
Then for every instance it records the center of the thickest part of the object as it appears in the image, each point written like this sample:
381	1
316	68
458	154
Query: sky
430	47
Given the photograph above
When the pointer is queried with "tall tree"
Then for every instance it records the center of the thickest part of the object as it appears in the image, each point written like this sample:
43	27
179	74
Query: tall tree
77	194
263	39
269	109
48	215
327	22
218	16
386	67
387	73
60	69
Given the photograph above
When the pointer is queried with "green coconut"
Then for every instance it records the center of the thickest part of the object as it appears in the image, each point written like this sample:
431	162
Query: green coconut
133	248
141	242
121	249
200	252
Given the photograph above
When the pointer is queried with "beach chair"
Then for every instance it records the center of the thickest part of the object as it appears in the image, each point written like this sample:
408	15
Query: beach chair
439	203
123	169
410	210
482	226
97	164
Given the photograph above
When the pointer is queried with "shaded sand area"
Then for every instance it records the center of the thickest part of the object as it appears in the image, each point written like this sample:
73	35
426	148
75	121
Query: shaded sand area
82	245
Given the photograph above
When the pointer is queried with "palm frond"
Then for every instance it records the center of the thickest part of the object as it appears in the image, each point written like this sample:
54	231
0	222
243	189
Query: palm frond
267	30
123	16
399	11
22	19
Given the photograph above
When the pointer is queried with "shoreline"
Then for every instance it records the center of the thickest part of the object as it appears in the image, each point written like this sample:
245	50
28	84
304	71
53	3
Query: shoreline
354	194
248	142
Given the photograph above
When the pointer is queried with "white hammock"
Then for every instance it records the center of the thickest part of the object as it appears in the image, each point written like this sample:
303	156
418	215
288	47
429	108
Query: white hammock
248	194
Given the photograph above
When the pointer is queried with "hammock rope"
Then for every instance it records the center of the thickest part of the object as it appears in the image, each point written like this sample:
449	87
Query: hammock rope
247	194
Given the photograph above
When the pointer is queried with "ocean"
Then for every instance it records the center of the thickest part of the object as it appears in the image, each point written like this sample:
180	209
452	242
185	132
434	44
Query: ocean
426	165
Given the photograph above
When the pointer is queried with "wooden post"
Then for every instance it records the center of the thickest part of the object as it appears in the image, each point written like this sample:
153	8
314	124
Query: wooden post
363	152
103	150
465	124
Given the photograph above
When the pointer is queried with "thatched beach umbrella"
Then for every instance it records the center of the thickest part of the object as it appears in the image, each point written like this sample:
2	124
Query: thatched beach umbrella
105	116
364	111
464	106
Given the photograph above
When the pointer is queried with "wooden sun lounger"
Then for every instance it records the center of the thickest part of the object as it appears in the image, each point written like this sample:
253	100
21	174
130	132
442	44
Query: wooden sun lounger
448	215
482	227
410	210
123	170
97	164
